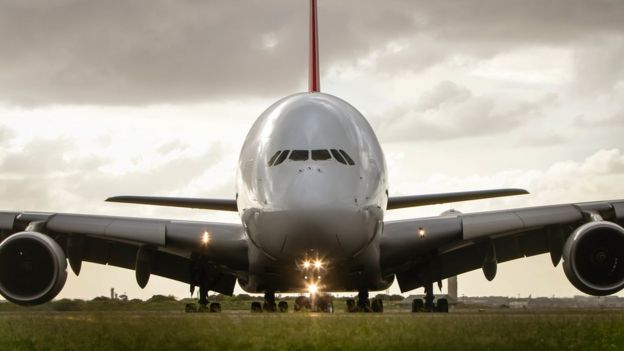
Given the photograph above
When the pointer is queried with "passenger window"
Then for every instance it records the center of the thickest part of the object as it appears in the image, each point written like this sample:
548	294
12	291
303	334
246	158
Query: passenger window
320	155
273	158
281	157
347	157
300	155
338	156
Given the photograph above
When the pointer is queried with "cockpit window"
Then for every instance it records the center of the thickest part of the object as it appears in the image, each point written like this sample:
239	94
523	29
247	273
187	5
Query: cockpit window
273	158
320	155
347	157
338	156
316	155
282	157
300	155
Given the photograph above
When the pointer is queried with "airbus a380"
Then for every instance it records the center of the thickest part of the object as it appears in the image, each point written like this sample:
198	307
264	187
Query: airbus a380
312	190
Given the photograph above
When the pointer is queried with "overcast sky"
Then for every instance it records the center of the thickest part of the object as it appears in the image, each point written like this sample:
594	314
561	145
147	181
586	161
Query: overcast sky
155	97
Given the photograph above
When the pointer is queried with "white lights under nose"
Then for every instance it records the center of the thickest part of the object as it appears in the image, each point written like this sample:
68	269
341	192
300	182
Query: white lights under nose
306	264
205	239
318	264
312	288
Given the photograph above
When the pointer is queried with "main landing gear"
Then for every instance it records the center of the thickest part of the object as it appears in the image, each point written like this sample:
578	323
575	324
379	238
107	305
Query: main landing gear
364	304
269	304
428	305
203	303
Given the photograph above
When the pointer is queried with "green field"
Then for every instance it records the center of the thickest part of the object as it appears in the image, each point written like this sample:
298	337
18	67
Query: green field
570	330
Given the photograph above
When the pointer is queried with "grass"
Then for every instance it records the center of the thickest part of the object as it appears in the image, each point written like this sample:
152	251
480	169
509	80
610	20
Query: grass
568	330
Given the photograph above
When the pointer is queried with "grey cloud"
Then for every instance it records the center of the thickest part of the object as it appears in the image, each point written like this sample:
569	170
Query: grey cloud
157	51
599	66
450	111
610	121
6	134
43	157
172	146
41	176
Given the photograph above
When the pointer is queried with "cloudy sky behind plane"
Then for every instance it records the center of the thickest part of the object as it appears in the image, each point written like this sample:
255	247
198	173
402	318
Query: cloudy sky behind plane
102	98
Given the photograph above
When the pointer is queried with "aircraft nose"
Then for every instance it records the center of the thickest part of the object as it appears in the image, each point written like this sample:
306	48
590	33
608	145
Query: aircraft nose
316	187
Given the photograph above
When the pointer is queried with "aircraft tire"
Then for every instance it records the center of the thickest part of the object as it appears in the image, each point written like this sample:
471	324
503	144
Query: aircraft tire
256	307
351	306
442	306
377	305
418	305
215	307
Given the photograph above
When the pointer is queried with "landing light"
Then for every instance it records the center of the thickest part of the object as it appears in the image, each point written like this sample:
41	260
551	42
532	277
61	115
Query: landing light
312	288
422	232
318	264
306	264
205	239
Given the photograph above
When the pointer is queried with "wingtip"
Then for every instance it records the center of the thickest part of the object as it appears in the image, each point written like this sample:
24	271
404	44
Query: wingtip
113	199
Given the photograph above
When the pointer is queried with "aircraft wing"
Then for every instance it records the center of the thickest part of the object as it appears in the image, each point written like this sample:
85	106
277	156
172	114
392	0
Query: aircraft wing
395	202
441	247
166	248
187	202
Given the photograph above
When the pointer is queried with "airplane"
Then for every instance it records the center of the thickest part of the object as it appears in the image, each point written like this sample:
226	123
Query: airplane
312	192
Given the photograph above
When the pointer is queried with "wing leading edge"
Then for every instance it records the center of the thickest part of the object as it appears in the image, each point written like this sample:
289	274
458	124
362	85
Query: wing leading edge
434	199
200	203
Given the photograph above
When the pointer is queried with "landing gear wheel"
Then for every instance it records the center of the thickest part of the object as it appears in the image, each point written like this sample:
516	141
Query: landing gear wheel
418	305
282	306
377	305
363	303
215	307
351	306
364	306
302	303
324	304
269	307
442	306
190	308
256	307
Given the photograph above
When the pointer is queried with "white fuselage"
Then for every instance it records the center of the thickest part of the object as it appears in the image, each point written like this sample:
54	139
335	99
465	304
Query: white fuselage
299	194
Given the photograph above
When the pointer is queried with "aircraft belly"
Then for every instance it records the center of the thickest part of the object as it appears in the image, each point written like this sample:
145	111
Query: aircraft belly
289	235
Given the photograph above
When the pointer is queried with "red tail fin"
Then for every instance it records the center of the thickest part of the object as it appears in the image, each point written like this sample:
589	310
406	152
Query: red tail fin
314	82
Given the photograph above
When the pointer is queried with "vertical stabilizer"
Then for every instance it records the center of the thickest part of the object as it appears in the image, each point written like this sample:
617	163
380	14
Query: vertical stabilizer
314	82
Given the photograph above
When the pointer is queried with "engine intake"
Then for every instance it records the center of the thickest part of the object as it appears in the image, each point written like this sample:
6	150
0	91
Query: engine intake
593	258
33	268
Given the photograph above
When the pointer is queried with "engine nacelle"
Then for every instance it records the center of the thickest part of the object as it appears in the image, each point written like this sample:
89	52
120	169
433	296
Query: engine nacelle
593	258
33	268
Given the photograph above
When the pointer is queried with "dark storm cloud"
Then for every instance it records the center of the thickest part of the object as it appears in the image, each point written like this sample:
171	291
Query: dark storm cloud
157	51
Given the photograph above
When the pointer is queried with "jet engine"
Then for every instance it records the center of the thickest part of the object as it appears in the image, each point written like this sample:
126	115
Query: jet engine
593	258
33	268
